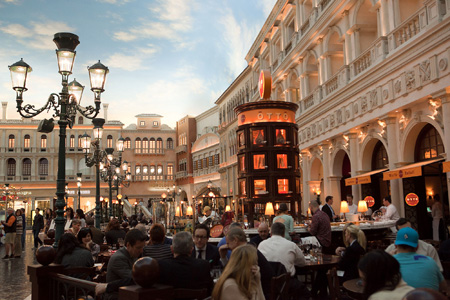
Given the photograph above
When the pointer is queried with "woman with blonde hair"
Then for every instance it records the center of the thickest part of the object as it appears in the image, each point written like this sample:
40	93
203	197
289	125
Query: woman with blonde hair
355	242
241	279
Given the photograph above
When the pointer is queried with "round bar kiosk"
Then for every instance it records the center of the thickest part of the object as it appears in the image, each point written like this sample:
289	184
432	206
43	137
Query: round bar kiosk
268	156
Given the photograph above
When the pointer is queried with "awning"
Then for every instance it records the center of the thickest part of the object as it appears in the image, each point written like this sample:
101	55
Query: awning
412	170
446	166
362	178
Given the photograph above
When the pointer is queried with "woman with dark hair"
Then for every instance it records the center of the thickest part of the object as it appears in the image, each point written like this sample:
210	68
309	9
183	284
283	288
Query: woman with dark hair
286	219
113	232
85	239
48	217
381	275
70	254
69	218
80	215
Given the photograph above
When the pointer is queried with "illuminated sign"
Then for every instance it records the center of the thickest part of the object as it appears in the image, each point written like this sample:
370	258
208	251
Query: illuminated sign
370	201
404	173
358	180
265	84
266	115
412	199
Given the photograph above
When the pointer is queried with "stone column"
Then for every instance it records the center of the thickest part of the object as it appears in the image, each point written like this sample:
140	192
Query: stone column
354	154
347	41
305	178
445	102
335	191
326	169
392	141
4	107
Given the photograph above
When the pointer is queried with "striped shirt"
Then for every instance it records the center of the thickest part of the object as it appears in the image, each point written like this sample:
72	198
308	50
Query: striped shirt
158	251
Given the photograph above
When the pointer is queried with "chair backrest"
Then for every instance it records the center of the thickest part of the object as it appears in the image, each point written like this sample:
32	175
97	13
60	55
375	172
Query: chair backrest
333	284
277	268
104	247
86	273
279	287
190	294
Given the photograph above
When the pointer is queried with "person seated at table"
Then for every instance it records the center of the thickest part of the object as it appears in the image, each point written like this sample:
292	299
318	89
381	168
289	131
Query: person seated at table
97	235
223	241
113	232
203	250
71	254
236	237
76	226
79	214
142	228
286	219
355	242
424	248
156	248
381	277
241	278
279	249
417	270
183	271
85	239
263	234
121	262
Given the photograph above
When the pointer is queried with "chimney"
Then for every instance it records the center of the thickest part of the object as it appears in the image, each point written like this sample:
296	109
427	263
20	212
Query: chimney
105	112
4	106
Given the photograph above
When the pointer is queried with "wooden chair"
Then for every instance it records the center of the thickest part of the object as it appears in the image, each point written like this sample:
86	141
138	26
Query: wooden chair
104	247
48	241
85	273
198	294
333	284
279	287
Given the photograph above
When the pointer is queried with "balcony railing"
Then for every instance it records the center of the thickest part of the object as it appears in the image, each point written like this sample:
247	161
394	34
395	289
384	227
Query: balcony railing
407	30
376	52
181	174
181	149
338	80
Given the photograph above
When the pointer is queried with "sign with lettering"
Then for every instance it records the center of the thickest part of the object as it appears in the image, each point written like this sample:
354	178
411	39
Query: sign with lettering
412	199
358	180
266	115
403	173
370	201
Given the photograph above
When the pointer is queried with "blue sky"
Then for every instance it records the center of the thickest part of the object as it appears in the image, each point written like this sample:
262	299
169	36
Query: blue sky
169	57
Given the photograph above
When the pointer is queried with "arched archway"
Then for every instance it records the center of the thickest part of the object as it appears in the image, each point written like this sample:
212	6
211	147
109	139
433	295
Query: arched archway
316	179
342	168
366	21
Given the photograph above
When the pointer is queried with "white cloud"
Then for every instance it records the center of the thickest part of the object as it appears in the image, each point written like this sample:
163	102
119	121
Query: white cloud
131	62
172	19
38	35
118	2
267	6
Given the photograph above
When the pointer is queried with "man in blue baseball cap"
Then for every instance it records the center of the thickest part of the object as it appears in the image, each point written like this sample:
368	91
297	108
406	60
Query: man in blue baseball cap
419	271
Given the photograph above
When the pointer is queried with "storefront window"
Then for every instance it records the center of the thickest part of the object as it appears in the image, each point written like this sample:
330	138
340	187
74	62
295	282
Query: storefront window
283	186
260	186
297	186
259	161
282	160
258	137
280	136
241	138
242	189
242	163
429	143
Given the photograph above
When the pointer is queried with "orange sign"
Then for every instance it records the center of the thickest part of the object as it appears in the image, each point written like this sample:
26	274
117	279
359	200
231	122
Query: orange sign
403	173
265	84
412	199
370	201
446	166
358	180
266	115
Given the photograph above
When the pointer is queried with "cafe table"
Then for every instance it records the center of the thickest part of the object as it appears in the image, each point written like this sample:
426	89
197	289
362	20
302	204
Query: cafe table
354	288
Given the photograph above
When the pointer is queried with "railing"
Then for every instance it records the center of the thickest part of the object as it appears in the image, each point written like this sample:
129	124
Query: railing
127	207
338	80
180	174
145	211
66	287
308	101
304	27
407	30
180	149
376	52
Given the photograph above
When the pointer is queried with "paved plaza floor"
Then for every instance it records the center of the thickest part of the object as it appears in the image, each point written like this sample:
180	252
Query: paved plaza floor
14	281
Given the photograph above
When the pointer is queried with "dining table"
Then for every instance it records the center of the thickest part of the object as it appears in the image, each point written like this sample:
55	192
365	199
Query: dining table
354	288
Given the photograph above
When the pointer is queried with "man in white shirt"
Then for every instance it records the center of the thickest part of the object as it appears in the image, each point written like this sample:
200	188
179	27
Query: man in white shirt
423	248
278	249
353	208
391	212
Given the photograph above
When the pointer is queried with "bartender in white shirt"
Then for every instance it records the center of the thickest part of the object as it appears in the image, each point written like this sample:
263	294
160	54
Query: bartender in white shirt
391	211
352	208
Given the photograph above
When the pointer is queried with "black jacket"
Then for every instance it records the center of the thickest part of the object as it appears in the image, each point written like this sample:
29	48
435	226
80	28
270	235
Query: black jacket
326	209
38	223
185	272
212	255
349	262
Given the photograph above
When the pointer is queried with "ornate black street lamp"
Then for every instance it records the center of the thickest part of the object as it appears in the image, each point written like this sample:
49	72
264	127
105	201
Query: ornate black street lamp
79	177
65	105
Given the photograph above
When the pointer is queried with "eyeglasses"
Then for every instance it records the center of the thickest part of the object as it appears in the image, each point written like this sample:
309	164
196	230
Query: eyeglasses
200	237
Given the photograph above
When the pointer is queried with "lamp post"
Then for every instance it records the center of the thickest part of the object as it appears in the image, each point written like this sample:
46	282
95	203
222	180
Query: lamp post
67	192
102	160
79	188
65	105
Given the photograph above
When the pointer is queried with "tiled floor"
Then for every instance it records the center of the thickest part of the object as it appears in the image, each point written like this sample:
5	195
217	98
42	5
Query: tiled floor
14	281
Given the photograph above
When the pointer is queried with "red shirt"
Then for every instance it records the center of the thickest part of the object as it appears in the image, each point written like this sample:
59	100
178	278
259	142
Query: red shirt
321	228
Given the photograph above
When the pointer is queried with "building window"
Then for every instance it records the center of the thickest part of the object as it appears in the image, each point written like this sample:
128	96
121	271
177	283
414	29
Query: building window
43	167
152	172
205	162
26	167
26	141
138	145
11	167
195	165
216	159
280	136
72	141
80	120
145	145
152	145
43	141
283	186
260	186
145	172
11	141
127	143
429	144
155	123
259	161
159	172
282	161
169	172
109	141
80	142
169	143
137	172
258	137
379	158
159	145
142	123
